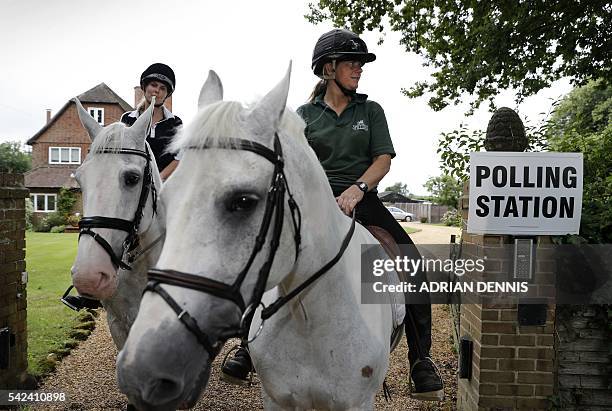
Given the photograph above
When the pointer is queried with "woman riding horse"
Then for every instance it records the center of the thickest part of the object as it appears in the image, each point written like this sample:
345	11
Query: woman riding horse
158	80
350	136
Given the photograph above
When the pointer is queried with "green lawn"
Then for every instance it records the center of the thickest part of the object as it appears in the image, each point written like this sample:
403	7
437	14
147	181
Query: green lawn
411	230
48	261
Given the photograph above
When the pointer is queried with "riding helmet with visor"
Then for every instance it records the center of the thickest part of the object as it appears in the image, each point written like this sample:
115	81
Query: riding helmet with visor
158	72
340	45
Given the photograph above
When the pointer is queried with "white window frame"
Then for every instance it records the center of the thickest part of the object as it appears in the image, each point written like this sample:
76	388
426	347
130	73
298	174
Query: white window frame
70	150
100	114
34	199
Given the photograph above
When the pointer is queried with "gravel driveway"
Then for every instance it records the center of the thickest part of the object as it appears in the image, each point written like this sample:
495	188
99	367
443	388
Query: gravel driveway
88	377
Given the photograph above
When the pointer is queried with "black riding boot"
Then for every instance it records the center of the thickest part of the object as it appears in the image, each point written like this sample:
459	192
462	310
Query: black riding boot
236	370
428	384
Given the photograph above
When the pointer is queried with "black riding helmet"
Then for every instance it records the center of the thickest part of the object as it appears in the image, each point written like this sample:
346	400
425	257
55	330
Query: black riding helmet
159	72
339	44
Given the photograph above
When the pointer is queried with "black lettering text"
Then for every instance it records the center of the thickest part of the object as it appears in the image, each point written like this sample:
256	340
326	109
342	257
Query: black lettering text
549	207
566	207
569	177
511	208
500	176
483	209
482	172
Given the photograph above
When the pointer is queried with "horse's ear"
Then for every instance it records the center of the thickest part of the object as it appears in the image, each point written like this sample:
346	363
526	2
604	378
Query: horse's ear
92	126
270	109
212	90
140	128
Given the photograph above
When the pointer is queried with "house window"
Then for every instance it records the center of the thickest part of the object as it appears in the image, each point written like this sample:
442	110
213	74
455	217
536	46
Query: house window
97	113
44	203
64	155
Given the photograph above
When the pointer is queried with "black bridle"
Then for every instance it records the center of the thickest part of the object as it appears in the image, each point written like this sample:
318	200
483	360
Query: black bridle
274	212
129	226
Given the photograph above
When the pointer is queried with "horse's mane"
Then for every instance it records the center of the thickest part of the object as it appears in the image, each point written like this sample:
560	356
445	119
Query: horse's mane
226	119
112	137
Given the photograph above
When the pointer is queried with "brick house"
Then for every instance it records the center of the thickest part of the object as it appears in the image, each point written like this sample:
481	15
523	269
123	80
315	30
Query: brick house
61	145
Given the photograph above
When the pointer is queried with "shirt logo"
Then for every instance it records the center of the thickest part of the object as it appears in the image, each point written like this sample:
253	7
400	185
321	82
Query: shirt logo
360	125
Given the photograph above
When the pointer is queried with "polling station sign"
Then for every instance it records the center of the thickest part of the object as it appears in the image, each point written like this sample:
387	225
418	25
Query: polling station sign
525	193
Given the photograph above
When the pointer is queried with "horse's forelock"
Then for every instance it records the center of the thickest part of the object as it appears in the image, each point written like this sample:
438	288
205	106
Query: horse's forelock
112	137
227	119
216	121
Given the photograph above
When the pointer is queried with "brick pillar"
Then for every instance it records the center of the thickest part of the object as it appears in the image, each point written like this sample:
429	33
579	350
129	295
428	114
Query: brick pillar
512	365
13	196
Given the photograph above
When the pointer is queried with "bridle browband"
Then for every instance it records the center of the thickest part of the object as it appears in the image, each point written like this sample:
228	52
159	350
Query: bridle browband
129	226
274	212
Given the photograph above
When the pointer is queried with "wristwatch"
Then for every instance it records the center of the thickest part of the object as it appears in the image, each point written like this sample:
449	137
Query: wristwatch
362	186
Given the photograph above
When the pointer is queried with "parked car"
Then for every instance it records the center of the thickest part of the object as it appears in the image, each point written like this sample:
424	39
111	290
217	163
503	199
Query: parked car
400	214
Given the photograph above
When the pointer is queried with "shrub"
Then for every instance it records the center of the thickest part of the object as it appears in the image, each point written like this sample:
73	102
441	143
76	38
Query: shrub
42	226
423	219
452	218
55	219
58	229
65	202
29	211
73	220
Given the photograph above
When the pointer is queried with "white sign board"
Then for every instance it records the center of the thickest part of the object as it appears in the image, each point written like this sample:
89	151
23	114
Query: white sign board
525	193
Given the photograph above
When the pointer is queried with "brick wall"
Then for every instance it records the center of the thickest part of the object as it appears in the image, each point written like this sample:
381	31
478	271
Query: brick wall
12	263
584	359
512	365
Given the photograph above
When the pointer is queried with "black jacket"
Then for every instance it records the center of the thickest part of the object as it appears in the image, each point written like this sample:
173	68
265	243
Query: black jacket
163	132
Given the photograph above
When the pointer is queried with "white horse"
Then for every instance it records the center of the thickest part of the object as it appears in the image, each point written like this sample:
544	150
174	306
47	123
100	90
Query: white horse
119	180
322	349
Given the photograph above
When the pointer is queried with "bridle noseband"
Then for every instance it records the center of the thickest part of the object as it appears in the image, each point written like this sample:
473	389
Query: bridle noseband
274	212
129	226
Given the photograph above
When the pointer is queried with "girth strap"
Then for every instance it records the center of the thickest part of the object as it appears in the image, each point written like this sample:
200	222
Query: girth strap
186	319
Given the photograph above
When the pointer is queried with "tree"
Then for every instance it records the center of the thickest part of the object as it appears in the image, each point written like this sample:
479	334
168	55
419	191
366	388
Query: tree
582	123
12	159
483	47
400	188
455	146
446	190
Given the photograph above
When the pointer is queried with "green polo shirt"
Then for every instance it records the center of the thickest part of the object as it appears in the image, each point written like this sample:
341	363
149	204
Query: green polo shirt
346	144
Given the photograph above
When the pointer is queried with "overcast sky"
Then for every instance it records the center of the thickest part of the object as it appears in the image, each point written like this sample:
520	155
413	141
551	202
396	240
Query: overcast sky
54	50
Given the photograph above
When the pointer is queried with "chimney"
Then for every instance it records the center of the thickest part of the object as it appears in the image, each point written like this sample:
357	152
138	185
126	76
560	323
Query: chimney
139	95
48	115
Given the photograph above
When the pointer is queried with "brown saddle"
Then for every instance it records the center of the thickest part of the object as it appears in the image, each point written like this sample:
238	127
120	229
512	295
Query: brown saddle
392	249
389	245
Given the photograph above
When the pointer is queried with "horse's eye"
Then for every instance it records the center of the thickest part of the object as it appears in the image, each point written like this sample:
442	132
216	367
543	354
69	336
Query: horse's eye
242	203
131	179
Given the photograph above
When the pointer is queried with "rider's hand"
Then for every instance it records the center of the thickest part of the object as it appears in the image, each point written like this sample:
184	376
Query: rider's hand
349	199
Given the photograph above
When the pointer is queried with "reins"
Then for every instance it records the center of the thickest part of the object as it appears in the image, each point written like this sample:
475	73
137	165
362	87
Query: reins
129	226
130	244
274	212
